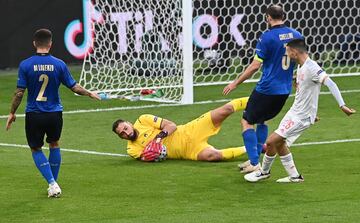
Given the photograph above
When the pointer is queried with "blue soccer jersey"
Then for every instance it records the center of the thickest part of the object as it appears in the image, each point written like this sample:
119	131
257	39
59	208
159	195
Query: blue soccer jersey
42	75
277	69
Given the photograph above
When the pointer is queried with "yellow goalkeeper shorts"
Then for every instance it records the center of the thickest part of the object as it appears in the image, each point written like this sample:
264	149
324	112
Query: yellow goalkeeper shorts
199	131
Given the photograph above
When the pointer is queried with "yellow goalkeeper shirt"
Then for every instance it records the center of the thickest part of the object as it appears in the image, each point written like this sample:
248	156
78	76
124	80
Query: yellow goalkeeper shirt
185	143
148	126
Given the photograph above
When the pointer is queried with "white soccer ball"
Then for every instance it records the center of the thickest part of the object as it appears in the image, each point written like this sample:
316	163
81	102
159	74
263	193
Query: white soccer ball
163	154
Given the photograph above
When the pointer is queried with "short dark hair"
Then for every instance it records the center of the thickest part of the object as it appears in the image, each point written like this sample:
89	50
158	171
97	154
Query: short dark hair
275	12
298	44
42	37
116	124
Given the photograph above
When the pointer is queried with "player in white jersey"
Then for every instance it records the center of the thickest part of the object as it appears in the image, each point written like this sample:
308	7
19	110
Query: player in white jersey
301	115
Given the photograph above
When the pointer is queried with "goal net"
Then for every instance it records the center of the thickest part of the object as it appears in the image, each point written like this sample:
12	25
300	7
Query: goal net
138	51
160	49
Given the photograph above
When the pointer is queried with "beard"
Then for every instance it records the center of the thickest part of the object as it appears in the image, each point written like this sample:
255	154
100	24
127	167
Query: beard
134	136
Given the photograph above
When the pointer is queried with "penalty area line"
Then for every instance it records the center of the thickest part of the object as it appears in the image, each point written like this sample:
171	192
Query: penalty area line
67	150
325	142
163	105
125	155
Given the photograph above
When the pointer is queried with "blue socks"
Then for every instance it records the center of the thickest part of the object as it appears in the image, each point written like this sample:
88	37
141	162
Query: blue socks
250	141
43	165
254	142
55	161
261	134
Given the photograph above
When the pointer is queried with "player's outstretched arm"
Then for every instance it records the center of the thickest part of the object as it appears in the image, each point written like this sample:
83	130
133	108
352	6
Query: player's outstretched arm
249	71
82	91
16	101
337	95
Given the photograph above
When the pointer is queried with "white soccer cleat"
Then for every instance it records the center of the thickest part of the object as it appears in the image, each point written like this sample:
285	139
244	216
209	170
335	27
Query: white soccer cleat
54	190
288	179
250	168
256	176
244	164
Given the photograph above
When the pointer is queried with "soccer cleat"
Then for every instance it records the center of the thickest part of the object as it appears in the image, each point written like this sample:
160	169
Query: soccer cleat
244	164
256	176
54	190
288	179
250	168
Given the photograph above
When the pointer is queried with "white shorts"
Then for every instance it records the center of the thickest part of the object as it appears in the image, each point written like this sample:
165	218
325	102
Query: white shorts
291	127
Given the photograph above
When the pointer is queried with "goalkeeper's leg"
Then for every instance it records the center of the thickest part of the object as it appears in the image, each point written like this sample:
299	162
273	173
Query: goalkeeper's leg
212	154
218	115
230	153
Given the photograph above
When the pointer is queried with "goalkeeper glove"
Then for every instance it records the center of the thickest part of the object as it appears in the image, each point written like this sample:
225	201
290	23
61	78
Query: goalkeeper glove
151	152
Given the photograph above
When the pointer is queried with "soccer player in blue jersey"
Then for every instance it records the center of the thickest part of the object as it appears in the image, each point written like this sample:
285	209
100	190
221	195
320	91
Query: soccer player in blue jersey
42	75
274	87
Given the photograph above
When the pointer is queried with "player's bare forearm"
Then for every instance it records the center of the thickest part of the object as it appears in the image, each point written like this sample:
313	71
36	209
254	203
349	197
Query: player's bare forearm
249	72
170	129
167	128
82	91
16	101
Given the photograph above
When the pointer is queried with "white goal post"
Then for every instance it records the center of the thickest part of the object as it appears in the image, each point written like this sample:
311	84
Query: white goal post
160	49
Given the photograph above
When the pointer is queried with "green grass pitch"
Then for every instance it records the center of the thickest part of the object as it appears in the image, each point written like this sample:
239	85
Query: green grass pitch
118	189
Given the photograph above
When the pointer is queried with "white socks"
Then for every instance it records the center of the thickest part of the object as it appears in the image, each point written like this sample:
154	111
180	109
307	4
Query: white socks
267	163
289	165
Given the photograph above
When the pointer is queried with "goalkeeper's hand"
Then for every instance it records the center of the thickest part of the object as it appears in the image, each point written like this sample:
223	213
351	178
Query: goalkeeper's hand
151	152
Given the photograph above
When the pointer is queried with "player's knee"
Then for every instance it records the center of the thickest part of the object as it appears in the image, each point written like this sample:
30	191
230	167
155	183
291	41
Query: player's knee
228	109
54	144
245	124
35	149
224	111
269	142
214	156
270	149
271	146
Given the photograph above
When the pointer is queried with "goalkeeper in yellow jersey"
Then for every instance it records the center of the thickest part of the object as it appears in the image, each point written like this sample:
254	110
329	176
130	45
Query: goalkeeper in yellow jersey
188	141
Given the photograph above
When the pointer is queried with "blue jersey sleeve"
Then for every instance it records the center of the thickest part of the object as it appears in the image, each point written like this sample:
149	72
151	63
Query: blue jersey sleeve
66	78
21	82
262	48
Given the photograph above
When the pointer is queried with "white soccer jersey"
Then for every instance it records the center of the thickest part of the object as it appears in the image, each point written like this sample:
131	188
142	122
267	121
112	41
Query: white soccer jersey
309	78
